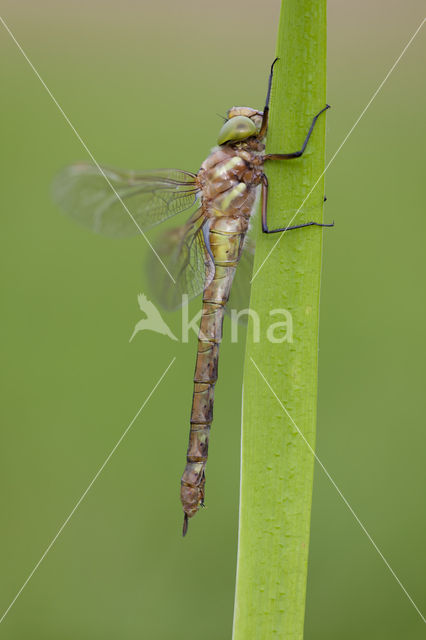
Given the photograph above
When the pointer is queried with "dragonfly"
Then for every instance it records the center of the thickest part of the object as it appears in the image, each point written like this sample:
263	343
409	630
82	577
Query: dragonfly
202	255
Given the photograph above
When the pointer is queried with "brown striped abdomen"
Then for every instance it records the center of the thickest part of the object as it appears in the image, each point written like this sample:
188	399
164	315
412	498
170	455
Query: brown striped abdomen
226	239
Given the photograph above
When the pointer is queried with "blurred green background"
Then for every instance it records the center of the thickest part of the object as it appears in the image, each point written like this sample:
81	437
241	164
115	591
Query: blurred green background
142	83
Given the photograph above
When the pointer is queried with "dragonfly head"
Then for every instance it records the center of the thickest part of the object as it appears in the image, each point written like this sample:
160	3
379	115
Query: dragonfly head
242	123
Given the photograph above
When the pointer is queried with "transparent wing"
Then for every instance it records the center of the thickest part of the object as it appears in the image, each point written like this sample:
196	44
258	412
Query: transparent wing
240	291
185	253
120	203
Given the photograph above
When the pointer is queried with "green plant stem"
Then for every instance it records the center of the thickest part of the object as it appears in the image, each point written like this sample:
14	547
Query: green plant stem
277	465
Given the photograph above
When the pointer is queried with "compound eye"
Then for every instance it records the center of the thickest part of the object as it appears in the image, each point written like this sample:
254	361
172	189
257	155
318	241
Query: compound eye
237	128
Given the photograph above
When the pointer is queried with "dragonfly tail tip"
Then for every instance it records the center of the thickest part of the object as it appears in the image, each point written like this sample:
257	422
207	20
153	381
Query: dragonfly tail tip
185	525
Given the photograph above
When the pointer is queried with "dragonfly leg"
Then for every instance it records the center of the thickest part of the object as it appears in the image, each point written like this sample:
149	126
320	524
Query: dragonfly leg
265	228
296	154
264	126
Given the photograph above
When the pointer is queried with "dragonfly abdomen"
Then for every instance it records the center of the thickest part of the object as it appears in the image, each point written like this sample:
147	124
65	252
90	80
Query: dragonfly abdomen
226	240
193	478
